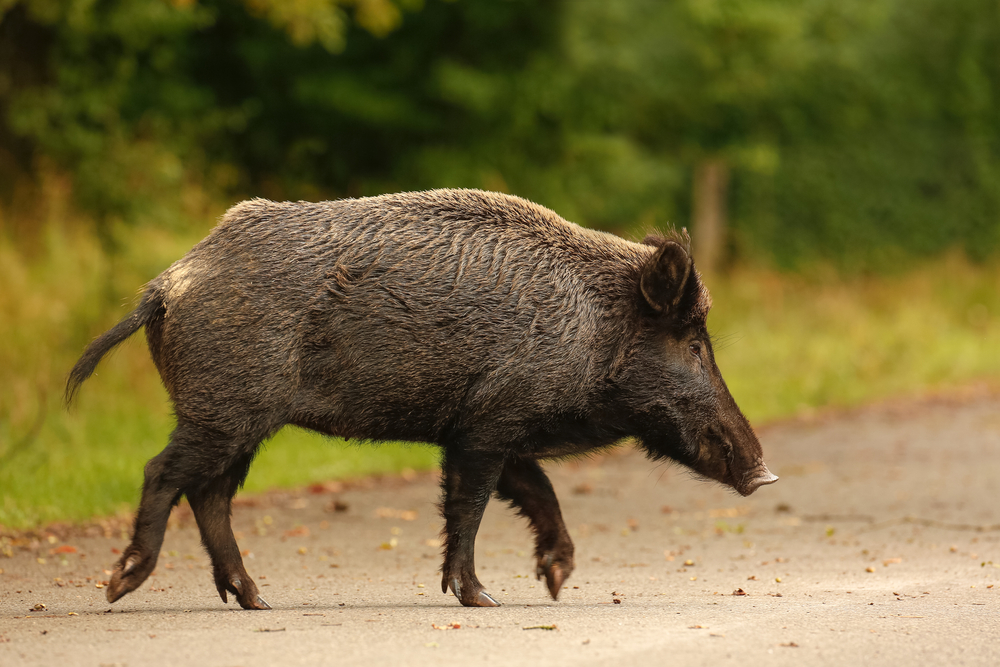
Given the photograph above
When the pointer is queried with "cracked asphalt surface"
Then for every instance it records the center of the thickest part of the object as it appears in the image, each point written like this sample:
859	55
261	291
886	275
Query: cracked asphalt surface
880	545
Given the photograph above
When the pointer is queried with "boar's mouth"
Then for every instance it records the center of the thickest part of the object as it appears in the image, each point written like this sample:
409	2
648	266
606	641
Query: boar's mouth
754	478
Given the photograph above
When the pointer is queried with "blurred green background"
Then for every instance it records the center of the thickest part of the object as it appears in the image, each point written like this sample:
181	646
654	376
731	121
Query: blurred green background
837	161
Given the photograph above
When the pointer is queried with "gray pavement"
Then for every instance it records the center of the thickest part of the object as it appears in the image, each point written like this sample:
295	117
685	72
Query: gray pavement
880	545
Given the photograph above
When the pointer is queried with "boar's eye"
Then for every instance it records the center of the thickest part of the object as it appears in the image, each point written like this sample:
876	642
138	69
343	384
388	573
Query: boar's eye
695	349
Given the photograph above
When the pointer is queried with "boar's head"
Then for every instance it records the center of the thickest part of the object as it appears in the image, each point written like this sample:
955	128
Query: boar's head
678	399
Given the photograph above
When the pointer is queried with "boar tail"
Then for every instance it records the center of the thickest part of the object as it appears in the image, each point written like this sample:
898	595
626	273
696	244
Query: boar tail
149	308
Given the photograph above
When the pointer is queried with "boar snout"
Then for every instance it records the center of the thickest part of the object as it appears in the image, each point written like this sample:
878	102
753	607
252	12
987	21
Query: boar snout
754	479
733	456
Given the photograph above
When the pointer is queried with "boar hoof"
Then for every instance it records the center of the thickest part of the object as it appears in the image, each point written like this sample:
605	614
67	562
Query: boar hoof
544	563
256	604
484	599
128	576
456	588
555	573
115	591
480	599
130	565
554	579
248	598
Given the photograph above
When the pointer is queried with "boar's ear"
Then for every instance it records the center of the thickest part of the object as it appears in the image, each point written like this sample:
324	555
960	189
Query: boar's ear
665	276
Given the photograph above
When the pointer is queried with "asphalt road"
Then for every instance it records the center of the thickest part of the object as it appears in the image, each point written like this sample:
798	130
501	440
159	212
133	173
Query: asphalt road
880	545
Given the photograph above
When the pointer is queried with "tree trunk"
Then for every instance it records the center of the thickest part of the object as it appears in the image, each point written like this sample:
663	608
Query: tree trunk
711	184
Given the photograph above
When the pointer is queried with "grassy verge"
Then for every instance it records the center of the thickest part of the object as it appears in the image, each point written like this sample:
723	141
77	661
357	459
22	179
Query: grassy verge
791	343
785	344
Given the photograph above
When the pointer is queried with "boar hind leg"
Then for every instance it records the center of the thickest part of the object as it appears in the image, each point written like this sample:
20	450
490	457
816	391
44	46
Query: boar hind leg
469	480
159	495
525	485
212	506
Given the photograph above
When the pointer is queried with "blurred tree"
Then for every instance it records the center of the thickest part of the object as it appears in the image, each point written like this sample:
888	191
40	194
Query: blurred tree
894	145
113	94
709	84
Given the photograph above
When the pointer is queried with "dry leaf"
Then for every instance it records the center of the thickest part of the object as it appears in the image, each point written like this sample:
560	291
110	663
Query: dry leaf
63	549
449	626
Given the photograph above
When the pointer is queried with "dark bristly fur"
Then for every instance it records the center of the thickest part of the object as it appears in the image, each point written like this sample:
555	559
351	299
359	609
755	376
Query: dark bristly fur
477	321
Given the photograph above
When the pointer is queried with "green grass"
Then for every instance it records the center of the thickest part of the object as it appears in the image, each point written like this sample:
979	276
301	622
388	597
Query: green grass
792	343
785	343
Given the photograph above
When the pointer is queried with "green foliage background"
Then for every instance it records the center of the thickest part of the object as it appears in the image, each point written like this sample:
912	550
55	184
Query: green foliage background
859	131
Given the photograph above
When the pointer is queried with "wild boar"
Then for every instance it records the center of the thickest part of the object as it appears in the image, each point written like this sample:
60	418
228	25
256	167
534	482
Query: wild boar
480	322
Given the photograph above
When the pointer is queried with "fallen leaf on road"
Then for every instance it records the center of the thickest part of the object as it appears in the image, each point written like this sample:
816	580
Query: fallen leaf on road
541	627
63	549
890	561
739	591
449	626
38	607
269	630
790	645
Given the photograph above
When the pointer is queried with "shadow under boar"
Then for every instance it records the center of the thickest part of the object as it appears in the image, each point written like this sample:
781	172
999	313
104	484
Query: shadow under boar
480	322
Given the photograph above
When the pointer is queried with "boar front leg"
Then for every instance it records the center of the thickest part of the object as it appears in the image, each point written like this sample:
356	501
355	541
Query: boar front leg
469	480
525	485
